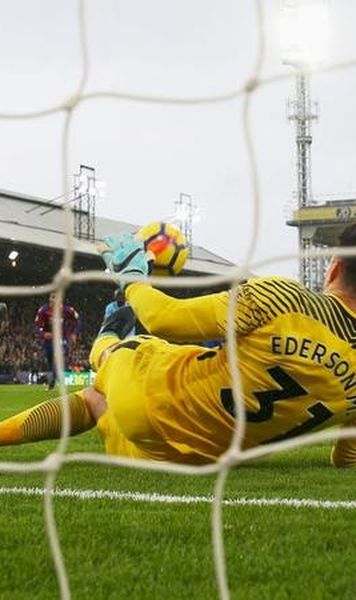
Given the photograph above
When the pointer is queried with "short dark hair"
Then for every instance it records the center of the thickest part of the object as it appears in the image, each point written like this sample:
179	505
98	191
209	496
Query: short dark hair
347	239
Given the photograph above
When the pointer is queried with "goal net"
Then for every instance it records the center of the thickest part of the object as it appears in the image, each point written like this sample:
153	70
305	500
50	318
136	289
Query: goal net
236	102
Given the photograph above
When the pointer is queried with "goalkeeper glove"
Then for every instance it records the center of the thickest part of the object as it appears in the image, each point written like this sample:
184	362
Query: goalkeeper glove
125	255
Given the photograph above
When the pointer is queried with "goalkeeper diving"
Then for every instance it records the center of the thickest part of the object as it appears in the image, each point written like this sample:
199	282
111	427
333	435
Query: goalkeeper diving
160	398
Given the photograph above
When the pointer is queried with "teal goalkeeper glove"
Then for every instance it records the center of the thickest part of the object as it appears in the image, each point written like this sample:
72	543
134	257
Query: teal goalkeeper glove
124	254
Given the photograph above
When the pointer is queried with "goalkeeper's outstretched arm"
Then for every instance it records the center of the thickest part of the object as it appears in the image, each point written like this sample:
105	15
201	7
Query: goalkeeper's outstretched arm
179	320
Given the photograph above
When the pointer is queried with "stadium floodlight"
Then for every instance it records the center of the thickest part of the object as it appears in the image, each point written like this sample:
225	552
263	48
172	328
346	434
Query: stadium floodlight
13	255
83	184
304	32
100	188
84	203
186	212
304	35
183	212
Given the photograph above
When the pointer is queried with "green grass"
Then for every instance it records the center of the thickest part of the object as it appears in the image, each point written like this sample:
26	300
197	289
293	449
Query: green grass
139	550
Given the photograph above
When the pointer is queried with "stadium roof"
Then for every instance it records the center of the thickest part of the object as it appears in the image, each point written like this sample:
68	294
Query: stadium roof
37	228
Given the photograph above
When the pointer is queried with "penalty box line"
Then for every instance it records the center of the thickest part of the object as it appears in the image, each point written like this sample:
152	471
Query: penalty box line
172	499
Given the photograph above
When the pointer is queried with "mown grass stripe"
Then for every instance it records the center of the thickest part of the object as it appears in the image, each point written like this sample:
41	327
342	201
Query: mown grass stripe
171	499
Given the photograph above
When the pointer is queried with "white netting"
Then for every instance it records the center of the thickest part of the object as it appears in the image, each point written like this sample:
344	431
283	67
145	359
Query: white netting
65	277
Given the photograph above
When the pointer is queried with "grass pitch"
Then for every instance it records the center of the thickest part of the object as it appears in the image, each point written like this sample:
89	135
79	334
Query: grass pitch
128	546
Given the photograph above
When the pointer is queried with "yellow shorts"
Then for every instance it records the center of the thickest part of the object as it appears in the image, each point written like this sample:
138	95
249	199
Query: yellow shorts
160	405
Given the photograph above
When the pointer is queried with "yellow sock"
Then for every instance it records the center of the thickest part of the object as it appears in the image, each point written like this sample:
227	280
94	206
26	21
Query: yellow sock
43	421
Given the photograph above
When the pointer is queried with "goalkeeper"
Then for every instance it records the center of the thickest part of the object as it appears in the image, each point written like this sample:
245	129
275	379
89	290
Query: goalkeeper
158	400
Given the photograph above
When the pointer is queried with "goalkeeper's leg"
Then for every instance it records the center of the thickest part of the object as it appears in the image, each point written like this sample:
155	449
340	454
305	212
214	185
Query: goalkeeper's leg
44	421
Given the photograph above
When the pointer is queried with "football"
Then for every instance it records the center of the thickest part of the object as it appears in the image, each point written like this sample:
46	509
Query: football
168	245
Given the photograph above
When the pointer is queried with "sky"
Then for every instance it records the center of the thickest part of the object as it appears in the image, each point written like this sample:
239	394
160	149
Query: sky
148	153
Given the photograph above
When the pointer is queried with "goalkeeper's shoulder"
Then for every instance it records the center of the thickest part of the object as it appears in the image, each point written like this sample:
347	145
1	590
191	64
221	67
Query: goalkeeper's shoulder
261	299
276	279
272	285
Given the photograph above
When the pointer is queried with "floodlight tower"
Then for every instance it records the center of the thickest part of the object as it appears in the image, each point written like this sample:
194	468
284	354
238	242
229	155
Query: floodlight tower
303	36
84	203
184	215
303	112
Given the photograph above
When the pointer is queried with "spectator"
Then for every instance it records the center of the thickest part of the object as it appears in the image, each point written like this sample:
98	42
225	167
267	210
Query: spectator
44	321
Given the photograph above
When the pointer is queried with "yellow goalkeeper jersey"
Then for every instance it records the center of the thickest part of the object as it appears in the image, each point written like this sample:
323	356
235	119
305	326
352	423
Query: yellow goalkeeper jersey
295	351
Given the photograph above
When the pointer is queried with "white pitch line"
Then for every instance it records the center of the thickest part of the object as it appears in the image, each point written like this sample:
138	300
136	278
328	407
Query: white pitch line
169	499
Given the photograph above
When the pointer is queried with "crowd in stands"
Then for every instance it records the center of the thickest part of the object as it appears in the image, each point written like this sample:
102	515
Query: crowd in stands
20	345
